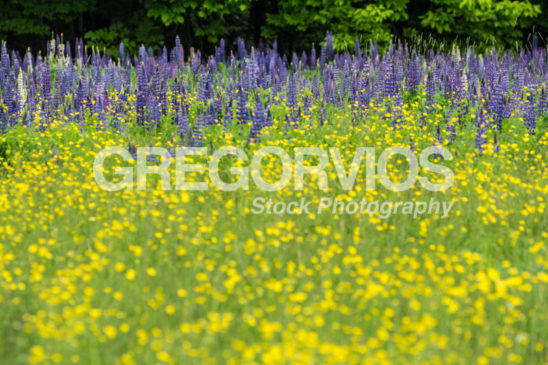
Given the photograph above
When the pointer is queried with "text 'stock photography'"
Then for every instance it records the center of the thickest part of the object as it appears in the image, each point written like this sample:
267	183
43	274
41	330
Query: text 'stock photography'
366	207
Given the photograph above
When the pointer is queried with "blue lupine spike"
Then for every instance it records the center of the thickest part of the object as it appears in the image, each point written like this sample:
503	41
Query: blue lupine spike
323	56
3	119
329	45
398	112
198	131
242	53
227	120
164	58
258	122
182	126
312	58
258	112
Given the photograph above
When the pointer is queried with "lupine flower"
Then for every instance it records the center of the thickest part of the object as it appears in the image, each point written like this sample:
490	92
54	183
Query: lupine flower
329	44
3	119
197	139
54	88
530	116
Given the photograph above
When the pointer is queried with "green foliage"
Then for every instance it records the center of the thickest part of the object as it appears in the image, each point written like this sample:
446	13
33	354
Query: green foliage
138	30
35	17
208	17
296	24
479	20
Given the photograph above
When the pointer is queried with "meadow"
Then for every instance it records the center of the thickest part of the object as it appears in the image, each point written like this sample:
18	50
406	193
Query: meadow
159	276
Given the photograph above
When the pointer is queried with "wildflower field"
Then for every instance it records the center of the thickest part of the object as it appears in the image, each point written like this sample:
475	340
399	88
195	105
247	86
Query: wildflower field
174	276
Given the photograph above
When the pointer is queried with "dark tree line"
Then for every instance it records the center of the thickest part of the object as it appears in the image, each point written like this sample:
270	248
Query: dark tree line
295	24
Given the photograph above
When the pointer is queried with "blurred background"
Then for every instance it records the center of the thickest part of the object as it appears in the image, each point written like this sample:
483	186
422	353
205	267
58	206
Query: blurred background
295	24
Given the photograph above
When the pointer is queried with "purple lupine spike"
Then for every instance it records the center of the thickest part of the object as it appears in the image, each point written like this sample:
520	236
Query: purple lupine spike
316	86
329	45
82	92
242	53
227	120
398	112
142	53
258	112
177	42
304	60
142	91
389	77
16	63
164	57
323	56
292	94
542	102
496	145
48	48
46	87
152	114
27	61
357	49
197	139
258	122
182	126
156	82
312	58
252	75
9	99
242	112
272	67
3	119
68	50
294	62
222	50
496	105
210	116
